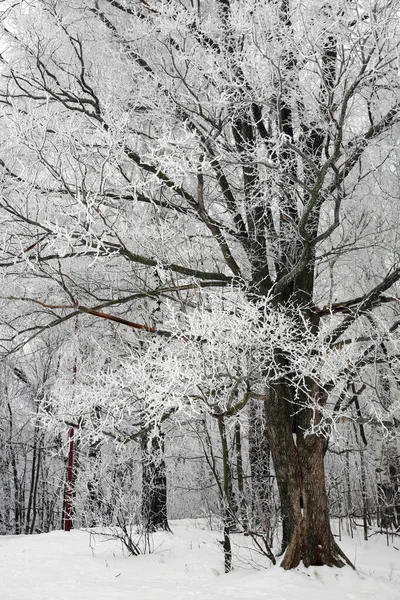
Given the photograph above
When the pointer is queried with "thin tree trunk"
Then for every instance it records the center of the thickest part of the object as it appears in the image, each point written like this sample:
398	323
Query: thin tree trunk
349	503
364	494
31	486
240	477
17	494
69	484
93	485
228	517
35	474
35	489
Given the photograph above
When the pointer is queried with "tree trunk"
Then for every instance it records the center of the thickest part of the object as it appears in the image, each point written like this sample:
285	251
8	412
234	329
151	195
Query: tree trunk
154	482
93	484
228	511
299	469
17	490
260	468
242	513
68	492
364	493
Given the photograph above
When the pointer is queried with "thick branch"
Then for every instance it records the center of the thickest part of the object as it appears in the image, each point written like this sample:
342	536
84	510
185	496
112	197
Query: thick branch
368	301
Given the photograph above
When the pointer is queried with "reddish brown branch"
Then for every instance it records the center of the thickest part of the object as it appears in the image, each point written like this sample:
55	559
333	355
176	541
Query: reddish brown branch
132	324
102	315
347	306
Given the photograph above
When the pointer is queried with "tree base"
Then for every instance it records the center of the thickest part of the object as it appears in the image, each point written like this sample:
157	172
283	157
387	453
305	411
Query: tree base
324	553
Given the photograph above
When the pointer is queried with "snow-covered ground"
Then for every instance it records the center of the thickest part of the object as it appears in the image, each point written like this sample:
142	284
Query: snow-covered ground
187	565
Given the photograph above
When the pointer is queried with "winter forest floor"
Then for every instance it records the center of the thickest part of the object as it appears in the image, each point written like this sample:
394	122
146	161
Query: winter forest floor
185	565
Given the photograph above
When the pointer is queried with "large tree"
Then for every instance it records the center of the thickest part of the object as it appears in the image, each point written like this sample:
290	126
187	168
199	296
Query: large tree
212	144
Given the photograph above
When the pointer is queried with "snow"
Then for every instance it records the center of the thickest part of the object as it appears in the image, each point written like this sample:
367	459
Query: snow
185	565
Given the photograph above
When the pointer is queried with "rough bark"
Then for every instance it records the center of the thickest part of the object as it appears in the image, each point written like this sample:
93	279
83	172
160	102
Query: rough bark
299	469
154	483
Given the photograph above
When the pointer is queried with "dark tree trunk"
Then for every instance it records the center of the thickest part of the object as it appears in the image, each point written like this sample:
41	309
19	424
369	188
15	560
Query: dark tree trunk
299	469
93	485
227	508
34	480
364	494
17	487
389	498
154	482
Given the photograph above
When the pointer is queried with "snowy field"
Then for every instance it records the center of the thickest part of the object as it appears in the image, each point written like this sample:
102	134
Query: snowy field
187	565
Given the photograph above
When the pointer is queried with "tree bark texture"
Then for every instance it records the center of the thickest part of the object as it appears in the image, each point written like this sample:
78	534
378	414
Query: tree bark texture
154	483
299	468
